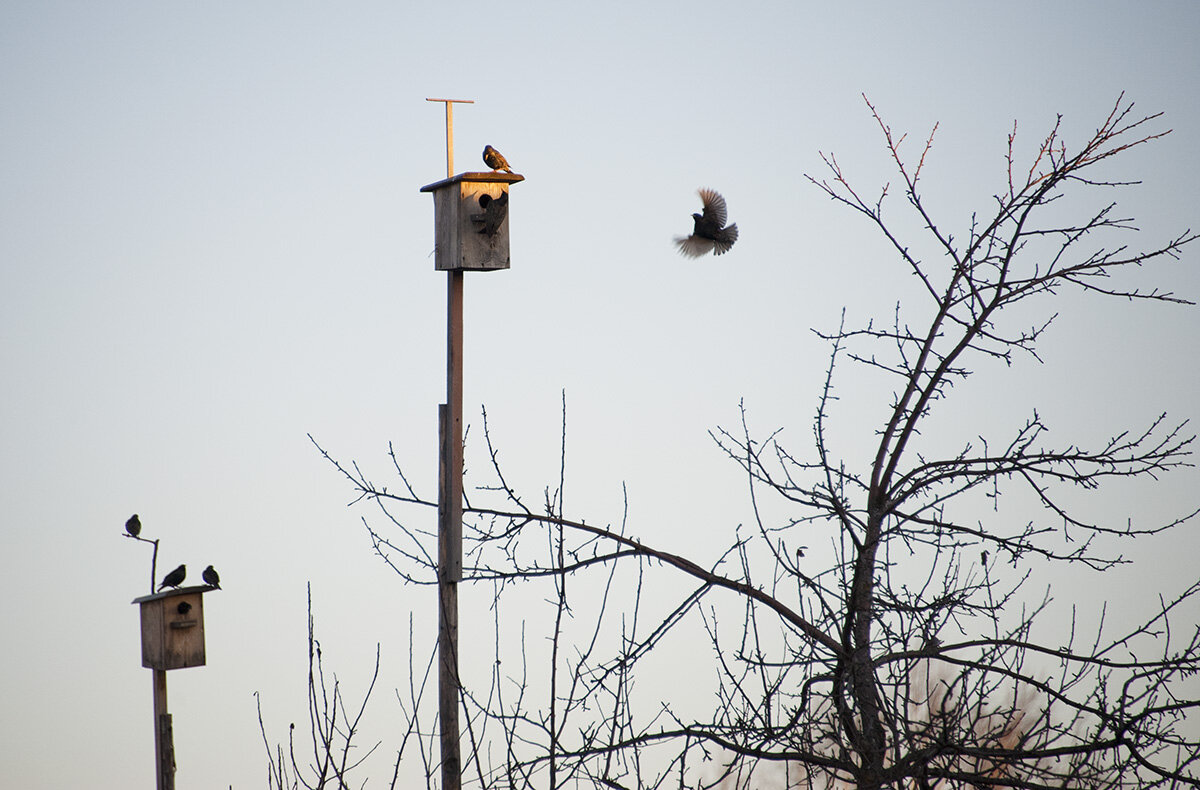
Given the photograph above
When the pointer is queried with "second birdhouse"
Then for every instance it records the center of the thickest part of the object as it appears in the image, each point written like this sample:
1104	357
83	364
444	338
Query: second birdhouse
173	628
470	216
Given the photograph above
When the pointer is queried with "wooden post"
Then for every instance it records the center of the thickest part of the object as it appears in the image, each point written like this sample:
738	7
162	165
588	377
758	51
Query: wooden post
450	539
450	130
449	573
450	468
451	560
164	738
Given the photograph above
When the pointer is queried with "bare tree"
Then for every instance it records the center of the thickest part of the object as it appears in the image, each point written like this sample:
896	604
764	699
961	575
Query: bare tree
328	750
870	673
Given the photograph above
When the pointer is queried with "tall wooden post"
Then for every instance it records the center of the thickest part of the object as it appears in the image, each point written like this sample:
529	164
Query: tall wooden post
450	468
450	537
164	737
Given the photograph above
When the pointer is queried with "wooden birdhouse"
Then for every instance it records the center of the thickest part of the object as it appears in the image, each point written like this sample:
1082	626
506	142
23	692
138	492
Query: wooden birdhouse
173	628
470	217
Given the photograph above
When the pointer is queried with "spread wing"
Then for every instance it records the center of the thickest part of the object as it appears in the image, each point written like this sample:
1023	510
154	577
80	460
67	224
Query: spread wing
714	207
694	246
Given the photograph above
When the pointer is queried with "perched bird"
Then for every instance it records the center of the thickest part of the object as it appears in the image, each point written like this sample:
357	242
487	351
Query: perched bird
211	578
495	160
174	578
494	212
133	526
710	233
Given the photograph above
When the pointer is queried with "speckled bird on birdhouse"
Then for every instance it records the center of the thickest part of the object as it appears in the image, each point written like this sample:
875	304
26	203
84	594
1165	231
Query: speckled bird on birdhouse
470	217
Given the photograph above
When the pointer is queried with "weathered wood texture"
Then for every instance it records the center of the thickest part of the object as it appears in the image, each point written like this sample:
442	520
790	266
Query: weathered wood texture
173	628
164	736
467	235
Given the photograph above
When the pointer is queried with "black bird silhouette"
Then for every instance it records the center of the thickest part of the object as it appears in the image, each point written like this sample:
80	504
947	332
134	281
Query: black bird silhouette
134	525
211	578
494	212
174	578
495	160
710	233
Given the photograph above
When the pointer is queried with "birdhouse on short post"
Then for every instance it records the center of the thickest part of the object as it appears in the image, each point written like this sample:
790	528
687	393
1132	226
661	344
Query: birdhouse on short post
470	217
173	628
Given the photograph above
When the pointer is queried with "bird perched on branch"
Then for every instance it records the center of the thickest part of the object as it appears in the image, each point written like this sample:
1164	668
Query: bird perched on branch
174	578
495	160
710	233
211	578
133	526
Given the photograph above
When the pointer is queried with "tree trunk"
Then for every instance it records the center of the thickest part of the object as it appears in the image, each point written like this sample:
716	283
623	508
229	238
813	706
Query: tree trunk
862	670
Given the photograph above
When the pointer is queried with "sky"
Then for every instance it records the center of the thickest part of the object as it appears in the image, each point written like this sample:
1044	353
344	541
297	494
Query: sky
213	244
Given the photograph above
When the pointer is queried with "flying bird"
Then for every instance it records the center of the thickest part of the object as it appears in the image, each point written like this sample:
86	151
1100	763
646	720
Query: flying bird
174	578
133	526
710	233
211	578
495	160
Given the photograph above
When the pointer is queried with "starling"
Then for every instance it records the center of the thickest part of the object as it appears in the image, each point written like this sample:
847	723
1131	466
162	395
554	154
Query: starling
710	233
495	160
174	578
211	578
494	212
133	526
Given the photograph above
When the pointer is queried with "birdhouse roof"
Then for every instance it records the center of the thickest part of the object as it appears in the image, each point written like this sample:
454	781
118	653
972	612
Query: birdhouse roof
495	177
200	588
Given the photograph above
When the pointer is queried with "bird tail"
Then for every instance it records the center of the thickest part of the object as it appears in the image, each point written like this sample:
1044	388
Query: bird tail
725	239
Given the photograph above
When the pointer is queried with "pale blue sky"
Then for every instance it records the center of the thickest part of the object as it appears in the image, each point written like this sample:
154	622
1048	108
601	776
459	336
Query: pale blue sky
212	243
